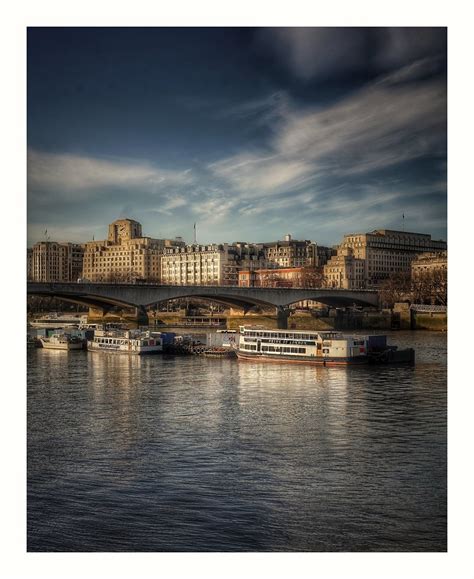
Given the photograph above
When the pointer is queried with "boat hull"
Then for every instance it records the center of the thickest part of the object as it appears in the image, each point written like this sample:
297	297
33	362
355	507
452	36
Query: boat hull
144	351
311	360
66	347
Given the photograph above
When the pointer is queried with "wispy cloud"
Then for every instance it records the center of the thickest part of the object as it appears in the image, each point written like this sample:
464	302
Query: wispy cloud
380	126
311	53
67	172
316	173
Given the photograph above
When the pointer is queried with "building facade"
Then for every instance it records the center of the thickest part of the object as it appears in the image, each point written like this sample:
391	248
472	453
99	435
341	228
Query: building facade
429	262
29	264
212	264
293	253
126	255
383	252
51	261
344	271
272	277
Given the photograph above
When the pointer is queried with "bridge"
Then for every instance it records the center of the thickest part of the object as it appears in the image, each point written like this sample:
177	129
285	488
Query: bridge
105	296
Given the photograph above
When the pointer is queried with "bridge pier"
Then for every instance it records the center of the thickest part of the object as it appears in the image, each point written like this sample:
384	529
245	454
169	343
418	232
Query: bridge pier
97	315
136	315
282	317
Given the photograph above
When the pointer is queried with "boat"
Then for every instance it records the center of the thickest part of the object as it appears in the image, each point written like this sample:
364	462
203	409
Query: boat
126	342
329	348
59	341
217	352
56	321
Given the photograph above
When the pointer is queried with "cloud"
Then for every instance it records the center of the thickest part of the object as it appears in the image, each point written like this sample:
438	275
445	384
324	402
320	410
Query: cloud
317	53
317	172
381	126
372	129
398	46
68	172
254	175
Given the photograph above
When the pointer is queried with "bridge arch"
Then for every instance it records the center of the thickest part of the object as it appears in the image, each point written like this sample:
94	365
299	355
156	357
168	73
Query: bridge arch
106	296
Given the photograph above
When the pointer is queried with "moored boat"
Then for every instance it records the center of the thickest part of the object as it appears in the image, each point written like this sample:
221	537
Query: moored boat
61	342
126	342
55	320
329	348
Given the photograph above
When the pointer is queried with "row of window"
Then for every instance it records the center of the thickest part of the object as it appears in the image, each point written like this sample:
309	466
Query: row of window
280	336
284	350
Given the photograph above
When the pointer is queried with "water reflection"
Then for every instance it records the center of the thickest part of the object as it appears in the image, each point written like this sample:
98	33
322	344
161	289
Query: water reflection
162	453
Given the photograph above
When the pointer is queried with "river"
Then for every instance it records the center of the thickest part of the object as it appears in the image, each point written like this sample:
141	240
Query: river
194	454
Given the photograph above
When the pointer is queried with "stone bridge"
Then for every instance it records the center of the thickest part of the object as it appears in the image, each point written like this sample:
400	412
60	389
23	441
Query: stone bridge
105	296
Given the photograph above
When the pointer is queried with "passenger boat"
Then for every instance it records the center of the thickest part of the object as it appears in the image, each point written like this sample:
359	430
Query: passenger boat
301	346
318	348
61	342
55	320
126	342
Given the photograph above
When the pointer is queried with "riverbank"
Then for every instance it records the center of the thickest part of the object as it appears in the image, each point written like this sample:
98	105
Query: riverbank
398	319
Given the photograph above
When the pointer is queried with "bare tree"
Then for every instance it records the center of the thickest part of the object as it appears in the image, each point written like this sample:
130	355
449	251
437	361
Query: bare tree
310	277
430	286
396	288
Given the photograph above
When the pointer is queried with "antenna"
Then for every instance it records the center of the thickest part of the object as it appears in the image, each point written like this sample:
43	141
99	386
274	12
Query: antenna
403	221
195	234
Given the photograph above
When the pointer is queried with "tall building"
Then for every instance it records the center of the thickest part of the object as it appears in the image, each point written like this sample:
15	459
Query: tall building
52	261
126	255
383	252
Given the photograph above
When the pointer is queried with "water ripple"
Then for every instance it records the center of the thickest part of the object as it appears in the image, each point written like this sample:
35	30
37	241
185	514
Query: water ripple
193	454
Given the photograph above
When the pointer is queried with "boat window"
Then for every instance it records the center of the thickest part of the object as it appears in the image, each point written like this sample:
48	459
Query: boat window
325	350
301	350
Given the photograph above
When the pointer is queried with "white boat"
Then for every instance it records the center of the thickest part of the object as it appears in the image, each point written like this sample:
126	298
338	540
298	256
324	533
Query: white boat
301	346
58	321
126	342
61	342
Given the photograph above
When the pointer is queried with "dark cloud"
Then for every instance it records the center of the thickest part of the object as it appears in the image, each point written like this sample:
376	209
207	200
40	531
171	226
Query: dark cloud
325	53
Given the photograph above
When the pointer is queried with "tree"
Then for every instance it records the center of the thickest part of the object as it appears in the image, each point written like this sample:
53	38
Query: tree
430	286
396	288
310	277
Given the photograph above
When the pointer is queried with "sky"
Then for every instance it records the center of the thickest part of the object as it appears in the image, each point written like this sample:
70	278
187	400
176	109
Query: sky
251	133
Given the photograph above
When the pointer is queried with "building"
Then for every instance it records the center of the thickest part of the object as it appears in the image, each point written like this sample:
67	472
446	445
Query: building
429	278
294	253
212	264
345	271
271	277
383	252
29	264
52	261
429	262
126	255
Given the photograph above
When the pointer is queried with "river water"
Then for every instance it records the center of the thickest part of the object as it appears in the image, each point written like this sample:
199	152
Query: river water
195	454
